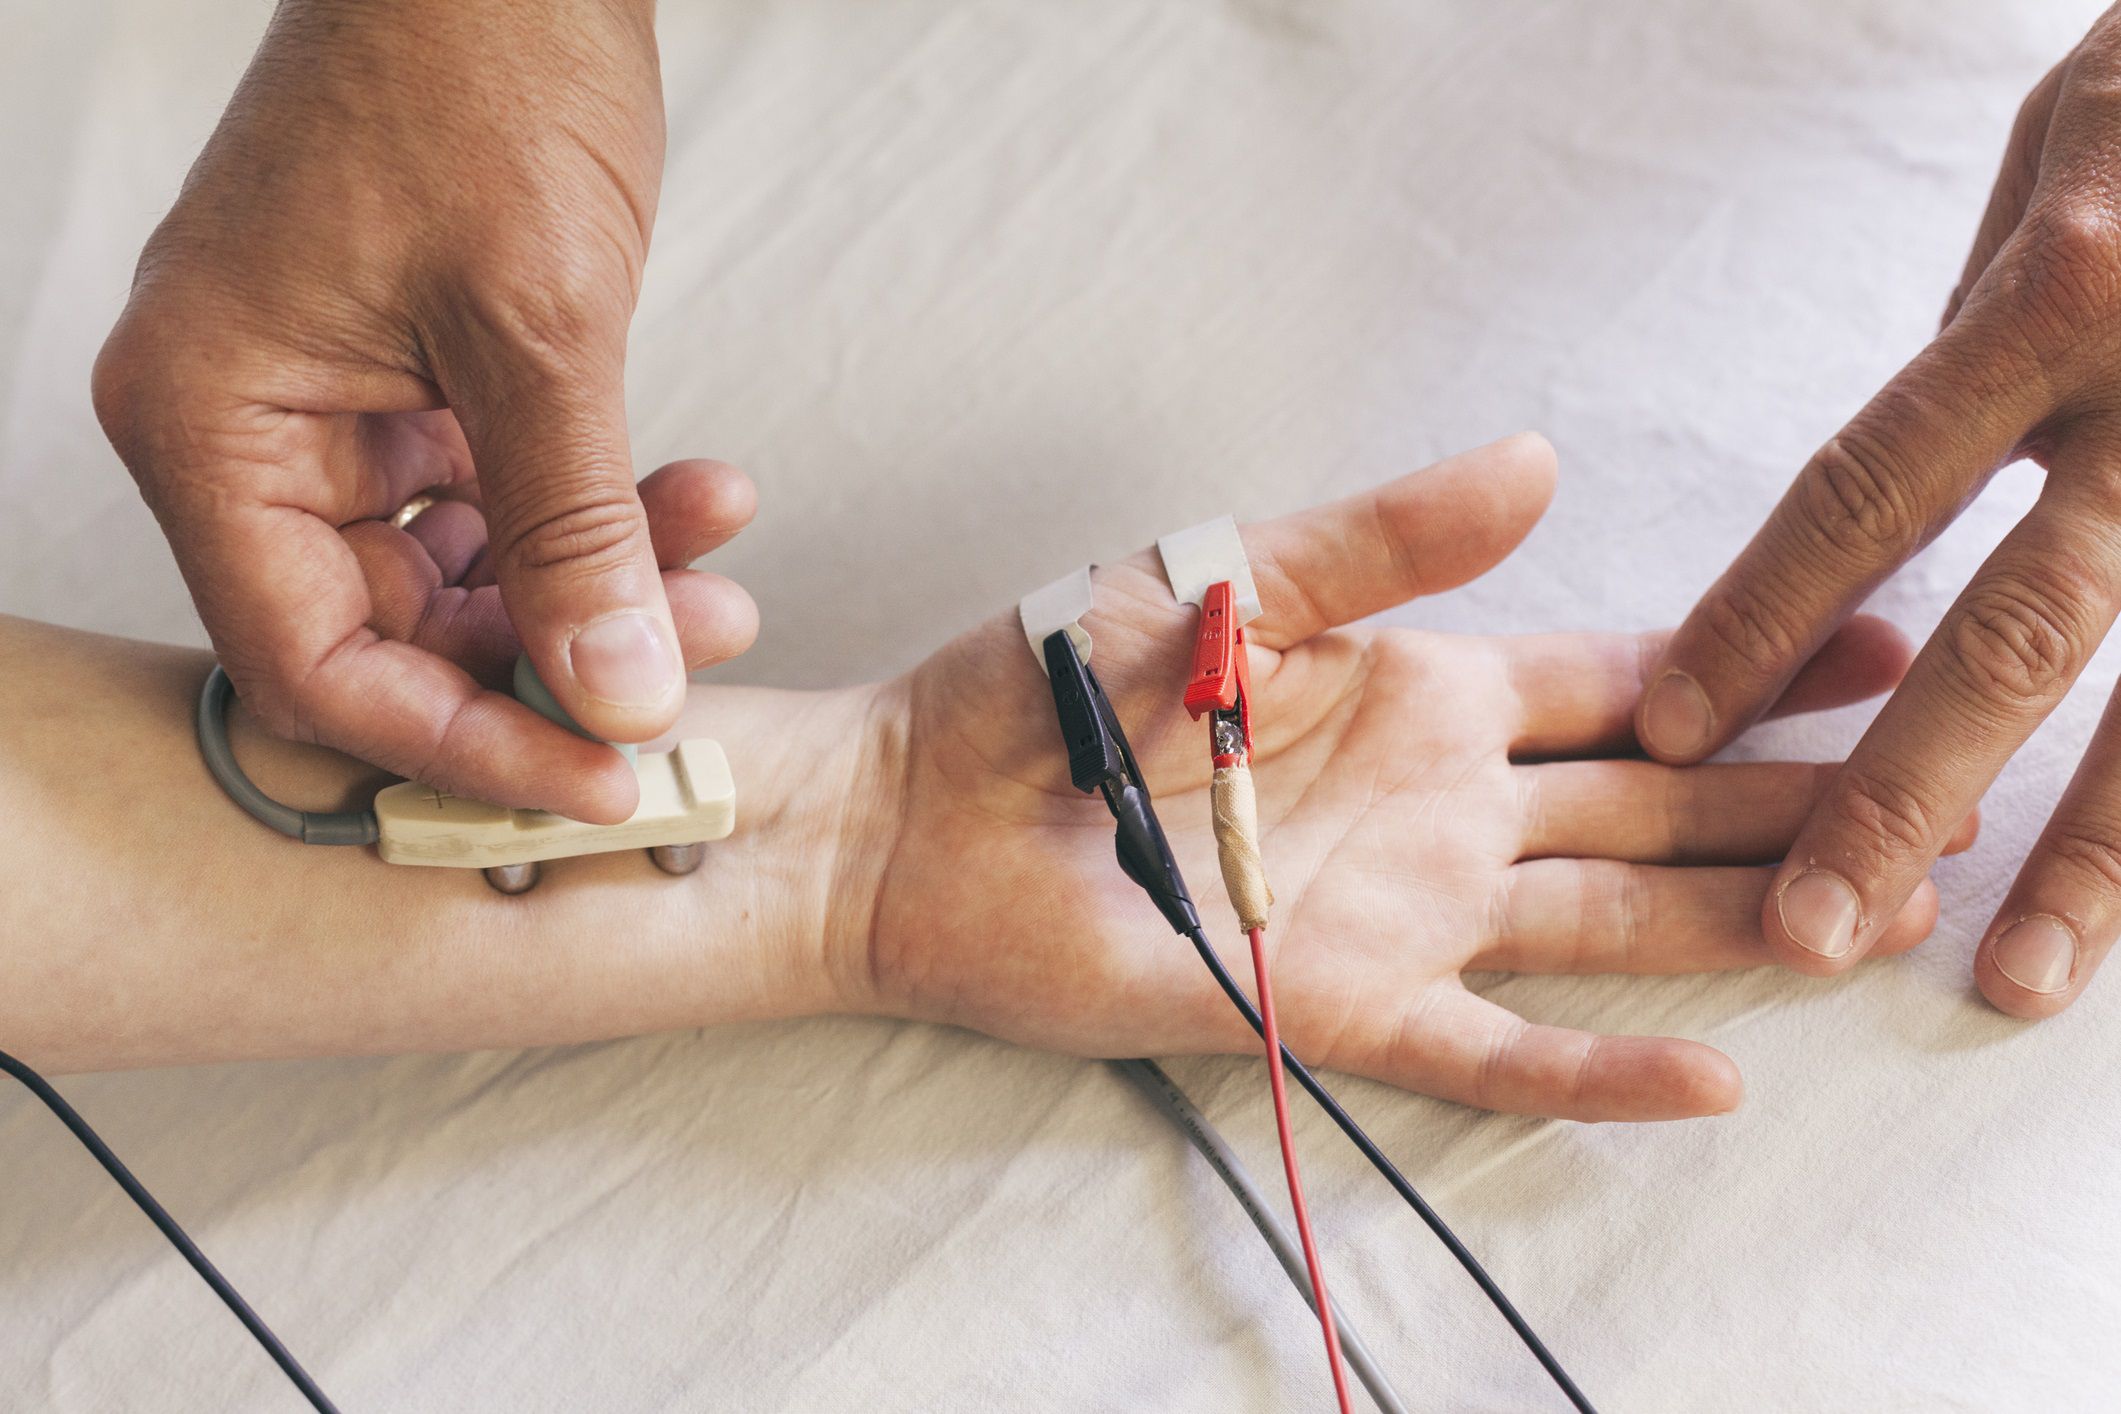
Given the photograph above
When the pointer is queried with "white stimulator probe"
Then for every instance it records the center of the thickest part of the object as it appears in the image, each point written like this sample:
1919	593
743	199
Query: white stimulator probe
688	799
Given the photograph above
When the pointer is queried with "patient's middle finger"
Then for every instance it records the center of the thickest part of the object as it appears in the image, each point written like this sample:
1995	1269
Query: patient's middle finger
1654	814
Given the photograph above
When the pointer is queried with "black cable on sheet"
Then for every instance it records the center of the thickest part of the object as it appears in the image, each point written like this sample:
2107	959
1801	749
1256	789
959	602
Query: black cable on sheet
1393	1176
178	1237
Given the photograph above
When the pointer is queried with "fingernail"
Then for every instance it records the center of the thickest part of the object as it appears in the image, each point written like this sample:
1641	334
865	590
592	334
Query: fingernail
2038	953
1819	913
1675	716
625	659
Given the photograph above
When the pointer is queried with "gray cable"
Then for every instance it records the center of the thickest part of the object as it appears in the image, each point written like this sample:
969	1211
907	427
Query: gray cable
308	826
1171	1102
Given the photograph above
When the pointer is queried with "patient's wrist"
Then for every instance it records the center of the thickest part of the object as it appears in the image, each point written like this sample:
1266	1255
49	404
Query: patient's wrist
790	896
782	909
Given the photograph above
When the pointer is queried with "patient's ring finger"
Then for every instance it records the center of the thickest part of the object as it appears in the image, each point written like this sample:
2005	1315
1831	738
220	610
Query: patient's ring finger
1653	814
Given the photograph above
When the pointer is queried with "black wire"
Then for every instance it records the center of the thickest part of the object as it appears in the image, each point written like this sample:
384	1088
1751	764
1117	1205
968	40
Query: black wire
1393	1176
178	1238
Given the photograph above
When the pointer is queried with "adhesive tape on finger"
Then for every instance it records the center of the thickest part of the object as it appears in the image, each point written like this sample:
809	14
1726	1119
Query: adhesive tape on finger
1057	607
1197	558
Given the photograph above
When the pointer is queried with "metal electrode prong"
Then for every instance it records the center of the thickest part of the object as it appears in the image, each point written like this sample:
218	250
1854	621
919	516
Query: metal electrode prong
678	858
512	878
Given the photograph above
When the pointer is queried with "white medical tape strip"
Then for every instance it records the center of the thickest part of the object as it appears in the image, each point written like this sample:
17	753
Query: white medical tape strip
1060	605
1206	555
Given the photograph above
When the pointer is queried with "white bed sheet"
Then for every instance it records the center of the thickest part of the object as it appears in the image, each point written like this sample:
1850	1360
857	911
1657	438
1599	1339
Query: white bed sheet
978	291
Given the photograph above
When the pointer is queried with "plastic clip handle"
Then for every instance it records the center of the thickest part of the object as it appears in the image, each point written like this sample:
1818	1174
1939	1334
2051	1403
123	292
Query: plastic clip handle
1100	762
1222	670
1099	757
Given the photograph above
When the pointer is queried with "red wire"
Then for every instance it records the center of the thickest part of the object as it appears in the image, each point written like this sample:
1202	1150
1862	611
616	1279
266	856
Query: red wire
1288	1163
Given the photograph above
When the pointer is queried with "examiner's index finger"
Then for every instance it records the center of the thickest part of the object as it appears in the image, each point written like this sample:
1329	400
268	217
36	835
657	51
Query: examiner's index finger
1866	501
419	716
283	596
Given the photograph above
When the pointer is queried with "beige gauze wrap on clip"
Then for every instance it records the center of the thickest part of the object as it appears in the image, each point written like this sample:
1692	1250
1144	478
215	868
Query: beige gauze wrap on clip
1237	844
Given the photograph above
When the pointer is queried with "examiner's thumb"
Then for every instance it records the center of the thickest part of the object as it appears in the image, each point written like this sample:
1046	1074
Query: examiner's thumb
577	571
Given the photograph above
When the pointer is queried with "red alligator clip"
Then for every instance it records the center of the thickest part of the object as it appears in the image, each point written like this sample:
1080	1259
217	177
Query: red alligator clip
1222	677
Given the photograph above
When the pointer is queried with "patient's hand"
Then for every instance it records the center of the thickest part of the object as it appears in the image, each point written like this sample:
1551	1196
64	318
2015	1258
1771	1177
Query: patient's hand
1432	805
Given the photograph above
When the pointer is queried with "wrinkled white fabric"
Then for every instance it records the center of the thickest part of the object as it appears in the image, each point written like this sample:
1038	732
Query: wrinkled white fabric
980	291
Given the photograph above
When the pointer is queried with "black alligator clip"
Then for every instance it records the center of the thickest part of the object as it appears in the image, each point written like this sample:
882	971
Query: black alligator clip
1100	760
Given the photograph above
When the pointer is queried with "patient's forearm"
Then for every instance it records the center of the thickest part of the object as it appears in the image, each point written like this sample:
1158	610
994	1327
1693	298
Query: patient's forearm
145	920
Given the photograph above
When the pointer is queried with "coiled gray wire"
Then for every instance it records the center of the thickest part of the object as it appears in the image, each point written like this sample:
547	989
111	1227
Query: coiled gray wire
308	826
1171	1102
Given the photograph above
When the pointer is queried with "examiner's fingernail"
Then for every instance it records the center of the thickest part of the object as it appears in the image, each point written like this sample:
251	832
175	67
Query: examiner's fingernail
1819	913
2038	953
1675	716
626	659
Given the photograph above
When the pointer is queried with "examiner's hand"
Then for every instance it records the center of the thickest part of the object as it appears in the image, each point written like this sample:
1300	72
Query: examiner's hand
2028	364
1432	805
406	260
